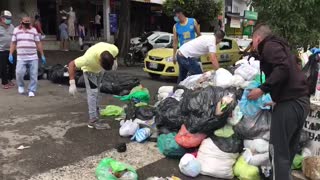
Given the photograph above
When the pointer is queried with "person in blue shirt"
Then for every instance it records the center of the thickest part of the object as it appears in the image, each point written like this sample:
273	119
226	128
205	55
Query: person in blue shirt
184	30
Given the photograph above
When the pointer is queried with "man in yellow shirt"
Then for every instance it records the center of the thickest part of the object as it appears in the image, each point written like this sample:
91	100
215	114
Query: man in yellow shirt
97	59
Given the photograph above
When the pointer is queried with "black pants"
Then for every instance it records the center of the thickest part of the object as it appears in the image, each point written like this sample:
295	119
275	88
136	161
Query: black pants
286	125
6	68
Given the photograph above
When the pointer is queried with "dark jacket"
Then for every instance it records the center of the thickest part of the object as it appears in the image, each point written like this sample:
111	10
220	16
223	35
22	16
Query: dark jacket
284	81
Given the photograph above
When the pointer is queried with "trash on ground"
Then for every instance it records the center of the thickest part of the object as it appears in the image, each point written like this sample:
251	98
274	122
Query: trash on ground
110	169
112	110
189	165
22	147
141	135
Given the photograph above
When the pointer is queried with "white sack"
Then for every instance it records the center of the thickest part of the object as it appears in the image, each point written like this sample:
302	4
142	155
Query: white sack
189	165
246	71
128	128
223	78
256	159
257	145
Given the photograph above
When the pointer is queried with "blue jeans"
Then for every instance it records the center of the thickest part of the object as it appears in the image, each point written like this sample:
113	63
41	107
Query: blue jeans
21	71
188	65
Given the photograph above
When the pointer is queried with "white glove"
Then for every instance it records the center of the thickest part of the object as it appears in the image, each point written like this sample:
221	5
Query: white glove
72	87
115	65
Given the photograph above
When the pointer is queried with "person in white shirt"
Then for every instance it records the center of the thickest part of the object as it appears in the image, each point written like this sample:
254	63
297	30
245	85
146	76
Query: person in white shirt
189	52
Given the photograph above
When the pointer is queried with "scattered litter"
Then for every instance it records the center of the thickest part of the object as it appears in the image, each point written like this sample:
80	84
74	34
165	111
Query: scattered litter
121	147
141	135
128	128
112	110
22	147
110	169
189	165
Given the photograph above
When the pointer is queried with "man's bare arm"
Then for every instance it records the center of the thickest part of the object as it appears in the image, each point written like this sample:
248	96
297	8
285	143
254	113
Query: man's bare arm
197	26
13	47
72	70
214	60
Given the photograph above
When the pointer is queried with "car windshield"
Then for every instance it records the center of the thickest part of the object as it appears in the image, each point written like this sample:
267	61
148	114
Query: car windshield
153	36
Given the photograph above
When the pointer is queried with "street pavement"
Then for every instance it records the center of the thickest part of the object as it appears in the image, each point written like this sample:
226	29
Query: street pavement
61	147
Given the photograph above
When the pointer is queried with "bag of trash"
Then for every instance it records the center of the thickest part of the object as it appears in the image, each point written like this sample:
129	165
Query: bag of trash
311	167
311	72
223	78
230	144
164	92
207	109
178	94
304	140
138	96
191	82
246	71
243	171
128	128
189	165
115	83
252	107
167	146
225	132
257	145
188	140
168	114
215	162
112	110
256	159
130	110
58	74
145	112
297	162
236	116
141	135
256	127
238	81
110	169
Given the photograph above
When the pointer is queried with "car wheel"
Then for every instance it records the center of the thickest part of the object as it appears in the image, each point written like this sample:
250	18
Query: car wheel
154	76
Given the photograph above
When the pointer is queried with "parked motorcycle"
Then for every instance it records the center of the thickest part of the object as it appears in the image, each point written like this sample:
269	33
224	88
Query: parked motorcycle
137	52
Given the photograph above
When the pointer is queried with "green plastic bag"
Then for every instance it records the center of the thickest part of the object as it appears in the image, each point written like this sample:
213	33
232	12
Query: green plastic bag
108	169
138	93
167	146
260	77
297	162
244	171
226	131
112	110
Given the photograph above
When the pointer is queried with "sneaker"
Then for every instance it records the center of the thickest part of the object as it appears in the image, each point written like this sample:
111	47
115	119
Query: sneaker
99	125
21	90
31	94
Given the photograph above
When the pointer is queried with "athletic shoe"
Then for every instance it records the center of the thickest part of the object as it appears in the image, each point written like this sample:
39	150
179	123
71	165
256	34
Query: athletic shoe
21	90
31	94
99	125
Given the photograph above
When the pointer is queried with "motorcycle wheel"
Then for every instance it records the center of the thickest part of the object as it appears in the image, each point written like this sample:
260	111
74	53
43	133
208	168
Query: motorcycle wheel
129	60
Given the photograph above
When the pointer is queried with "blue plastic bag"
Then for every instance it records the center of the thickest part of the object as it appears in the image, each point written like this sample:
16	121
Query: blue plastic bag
249	107
141	135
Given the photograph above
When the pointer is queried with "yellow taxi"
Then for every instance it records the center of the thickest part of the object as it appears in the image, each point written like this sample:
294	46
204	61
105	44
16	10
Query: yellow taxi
159	61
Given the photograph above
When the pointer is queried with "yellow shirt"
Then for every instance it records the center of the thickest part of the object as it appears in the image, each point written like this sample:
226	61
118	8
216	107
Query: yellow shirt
90	61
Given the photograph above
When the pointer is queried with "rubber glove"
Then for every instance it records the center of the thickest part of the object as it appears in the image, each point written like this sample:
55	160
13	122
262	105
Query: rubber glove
43	59
72	87
10	58
315	50
115	65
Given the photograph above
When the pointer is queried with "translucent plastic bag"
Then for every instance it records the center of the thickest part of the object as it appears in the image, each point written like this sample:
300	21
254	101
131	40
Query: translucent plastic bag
252	107
141	135
128	128
243	171
167	146
188	140
110	169
189	165
255	127
246	71
230	144
223	78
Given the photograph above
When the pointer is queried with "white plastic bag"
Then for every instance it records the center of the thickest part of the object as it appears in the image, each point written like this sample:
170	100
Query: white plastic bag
215	162
246	71
236	116
237	81
256	159
257	145
223	78
191	82
128	128
189	165
165	89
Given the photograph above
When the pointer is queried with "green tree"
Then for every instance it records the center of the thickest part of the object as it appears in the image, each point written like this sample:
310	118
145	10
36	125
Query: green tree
296	20
203	11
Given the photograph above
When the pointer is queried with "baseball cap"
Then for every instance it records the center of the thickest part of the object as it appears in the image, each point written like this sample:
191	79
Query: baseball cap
6	14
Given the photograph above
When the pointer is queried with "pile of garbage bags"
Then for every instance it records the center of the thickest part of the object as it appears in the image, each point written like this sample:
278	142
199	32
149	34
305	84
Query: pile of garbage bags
214	129
112	83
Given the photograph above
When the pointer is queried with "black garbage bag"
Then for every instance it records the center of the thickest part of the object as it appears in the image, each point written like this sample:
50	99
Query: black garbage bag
200	109
145	112
130	111
41	72
80	82
168	114
311	72
303	141
116	83
256	127
232	144
56	74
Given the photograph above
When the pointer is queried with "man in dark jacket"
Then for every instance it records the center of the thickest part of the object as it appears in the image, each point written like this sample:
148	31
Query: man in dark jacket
289	90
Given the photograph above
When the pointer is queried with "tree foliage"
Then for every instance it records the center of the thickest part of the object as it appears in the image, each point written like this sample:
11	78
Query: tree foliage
296	20
201	10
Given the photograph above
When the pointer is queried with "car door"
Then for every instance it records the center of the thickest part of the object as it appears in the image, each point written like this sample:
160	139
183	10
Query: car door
162	41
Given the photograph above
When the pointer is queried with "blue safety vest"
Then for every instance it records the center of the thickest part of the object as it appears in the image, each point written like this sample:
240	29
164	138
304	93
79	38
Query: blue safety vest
186	32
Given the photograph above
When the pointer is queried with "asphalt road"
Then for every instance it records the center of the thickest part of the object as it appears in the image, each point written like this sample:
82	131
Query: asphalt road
61	147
